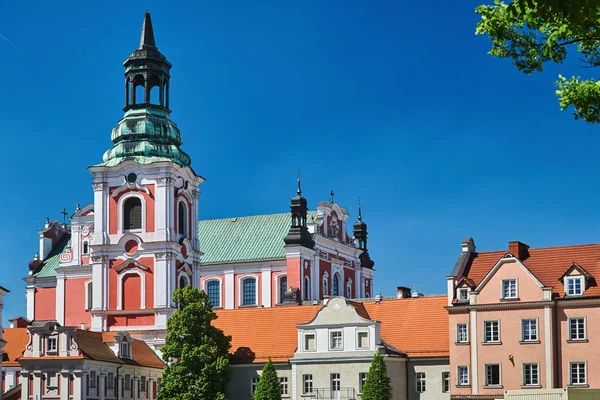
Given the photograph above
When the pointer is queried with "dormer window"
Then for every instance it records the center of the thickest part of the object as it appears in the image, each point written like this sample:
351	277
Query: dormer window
51	344
125	349
574	285
463	294
509	289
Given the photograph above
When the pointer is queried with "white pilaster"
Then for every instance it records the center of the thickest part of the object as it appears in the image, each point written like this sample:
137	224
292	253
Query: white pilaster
229	289
64	386
60	299
160	213
294	382
473	369
266	286
30	295
548	346
101	386
161	294
100	212
25	385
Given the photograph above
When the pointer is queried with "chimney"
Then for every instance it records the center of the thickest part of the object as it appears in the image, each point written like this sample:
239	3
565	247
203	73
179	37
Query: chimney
519	250
83	326
403	292
19	322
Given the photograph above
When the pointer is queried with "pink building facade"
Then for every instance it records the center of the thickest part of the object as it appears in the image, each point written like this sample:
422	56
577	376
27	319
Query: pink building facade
523	318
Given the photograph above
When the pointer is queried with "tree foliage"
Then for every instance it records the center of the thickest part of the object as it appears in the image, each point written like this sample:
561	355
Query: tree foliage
199	367
535	32
268	387
377	385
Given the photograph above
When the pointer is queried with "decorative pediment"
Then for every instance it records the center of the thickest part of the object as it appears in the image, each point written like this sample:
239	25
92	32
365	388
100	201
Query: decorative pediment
130	186
578	269
131	264
465	282
338	311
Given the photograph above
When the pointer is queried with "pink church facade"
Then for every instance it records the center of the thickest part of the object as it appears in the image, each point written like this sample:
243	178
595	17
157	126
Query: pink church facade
523	319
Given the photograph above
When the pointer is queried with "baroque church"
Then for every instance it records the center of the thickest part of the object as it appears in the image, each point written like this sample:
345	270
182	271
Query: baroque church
115	266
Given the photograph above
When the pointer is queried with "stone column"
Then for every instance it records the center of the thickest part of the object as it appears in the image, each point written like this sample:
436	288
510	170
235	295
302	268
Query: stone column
102	386
64	385
126	92
25	385
37	385
147	89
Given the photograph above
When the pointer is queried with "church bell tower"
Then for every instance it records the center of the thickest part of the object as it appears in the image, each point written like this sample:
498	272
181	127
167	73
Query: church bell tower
145	238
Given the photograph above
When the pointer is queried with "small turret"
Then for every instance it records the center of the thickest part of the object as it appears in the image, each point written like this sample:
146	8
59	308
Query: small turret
360	234
298	233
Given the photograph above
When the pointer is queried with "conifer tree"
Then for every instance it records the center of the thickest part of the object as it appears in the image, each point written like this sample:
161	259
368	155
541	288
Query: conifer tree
268	387
377	385
197	351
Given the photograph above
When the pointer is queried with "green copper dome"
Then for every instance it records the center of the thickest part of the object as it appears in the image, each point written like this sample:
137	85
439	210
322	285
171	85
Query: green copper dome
146	135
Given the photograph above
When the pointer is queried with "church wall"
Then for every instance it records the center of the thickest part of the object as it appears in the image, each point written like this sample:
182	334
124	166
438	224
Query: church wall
294	274
238	287
113	205
131	285
130	320
45	303
324	266
76	302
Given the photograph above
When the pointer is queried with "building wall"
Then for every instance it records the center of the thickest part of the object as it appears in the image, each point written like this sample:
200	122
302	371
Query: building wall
45	303
76	302
321	372
238	386
433	369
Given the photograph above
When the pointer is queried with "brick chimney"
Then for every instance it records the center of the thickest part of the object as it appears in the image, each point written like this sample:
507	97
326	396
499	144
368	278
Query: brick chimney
519	250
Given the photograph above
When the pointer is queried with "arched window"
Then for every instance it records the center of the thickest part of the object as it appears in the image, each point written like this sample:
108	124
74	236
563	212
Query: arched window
86	247
335	285
249	291
282	288
132	214
325	283
213	291
349	289
182	219
183	281
306	288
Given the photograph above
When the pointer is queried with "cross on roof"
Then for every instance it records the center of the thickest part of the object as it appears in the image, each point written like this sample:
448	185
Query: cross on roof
332	194
64	214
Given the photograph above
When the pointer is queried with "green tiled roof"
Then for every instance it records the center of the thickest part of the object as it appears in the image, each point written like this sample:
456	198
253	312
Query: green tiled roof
243	239
48	267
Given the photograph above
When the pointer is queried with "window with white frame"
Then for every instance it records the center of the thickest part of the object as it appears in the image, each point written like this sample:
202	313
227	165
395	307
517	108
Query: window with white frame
92	379
363	340
253	385
182	219
309	342
462	378
420	382
110	380
335	285
491	330
577	329
132	214
463	294
127	382
529	330
509	288
531	374
51	344
249	291
142	384
362	379
336	340
213	291
492	375
307	383
577	375
574	286
462	333
336	382
445	382
125	349
283	381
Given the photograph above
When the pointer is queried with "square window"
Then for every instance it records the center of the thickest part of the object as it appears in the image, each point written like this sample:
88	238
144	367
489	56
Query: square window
509	289
577	373
284	385
463	294
529	330
420	382
309	342
335	340
307	383
574	286
462	335
491	330
51	345
531	376
363	340
492	375
463	375
445	382
576	328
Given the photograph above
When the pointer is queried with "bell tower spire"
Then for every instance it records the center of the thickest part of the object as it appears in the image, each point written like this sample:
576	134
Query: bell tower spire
147	38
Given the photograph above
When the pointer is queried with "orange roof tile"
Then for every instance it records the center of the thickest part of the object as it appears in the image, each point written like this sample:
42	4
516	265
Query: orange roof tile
16	341
260	333
417	327
548	264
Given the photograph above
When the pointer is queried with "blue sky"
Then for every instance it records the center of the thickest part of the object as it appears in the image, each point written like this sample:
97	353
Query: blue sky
397	102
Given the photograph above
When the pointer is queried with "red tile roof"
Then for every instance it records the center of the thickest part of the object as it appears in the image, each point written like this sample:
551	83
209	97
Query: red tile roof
16	340
417	327
548	264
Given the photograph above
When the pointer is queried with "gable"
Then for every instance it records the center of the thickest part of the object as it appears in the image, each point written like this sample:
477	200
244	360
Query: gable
337	312
529	288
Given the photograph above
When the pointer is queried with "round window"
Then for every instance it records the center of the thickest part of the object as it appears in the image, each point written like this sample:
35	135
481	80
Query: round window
131	178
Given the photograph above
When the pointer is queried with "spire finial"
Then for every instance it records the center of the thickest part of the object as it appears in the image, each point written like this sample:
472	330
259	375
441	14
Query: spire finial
147	38
299	188
359	211
332	194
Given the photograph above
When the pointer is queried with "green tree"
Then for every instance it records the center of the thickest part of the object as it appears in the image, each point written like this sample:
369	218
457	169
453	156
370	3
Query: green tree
268	387
535	32
199	367
377	385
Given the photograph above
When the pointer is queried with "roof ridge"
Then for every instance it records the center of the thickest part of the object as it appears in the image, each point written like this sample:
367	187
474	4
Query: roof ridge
250	216
542	248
